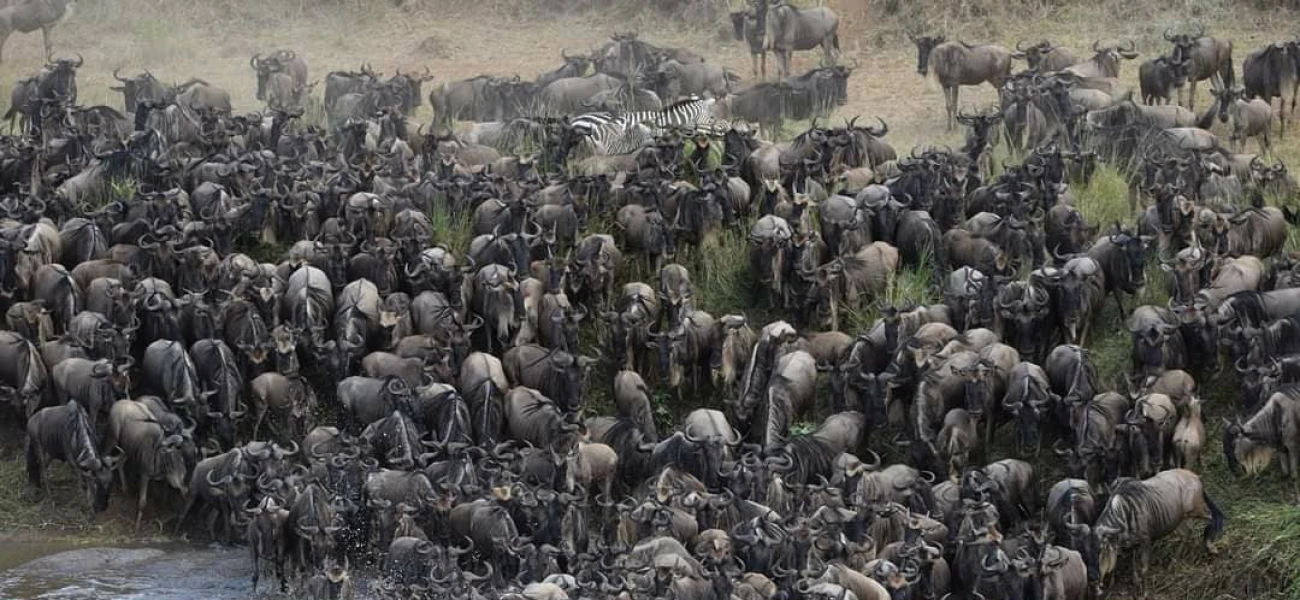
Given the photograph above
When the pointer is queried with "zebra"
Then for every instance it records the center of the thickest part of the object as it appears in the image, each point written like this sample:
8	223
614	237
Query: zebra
606	133
602	133
690	113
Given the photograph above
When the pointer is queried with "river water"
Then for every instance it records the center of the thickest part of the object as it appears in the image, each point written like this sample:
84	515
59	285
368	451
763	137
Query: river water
30	571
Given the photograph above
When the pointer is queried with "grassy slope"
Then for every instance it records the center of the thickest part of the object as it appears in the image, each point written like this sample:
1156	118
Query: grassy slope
1261	557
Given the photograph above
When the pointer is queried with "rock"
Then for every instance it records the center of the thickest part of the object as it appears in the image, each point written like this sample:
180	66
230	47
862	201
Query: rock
434	47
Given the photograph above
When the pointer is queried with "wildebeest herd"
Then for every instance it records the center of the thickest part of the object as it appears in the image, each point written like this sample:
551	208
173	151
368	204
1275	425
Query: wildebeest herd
375	399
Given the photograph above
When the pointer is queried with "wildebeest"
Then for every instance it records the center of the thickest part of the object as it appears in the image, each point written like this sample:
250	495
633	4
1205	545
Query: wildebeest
750	26
1211	58
26	16
1249	445
285	62
1272	72
64	433
1104	63
152	446
1245	118
1140	512
1159	78
790	28
1044	56
957	63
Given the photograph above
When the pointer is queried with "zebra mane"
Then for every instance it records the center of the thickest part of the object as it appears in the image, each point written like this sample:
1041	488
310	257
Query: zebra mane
686	102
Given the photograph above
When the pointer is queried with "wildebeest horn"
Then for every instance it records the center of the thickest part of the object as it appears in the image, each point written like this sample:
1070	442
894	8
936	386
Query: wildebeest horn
1168	36
115	76
470	576
254	62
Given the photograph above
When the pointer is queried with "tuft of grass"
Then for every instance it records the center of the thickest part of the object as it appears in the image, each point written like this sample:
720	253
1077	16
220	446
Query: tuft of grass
1105	199
266	253
452	231
722	279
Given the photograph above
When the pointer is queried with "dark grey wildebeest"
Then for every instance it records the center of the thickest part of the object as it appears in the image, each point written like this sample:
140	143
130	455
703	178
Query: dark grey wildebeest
957	63
790	29
1271	72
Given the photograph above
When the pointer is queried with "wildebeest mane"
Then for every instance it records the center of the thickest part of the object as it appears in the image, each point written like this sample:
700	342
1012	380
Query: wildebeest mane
1249	307
812	457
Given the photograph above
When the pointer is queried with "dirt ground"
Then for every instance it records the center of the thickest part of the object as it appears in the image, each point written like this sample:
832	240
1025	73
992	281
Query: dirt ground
454	40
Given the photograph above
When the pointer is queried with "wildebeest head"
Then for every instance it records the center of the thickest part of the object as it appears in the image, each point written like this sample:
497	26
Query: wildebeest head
408	88
1134	253
1245	450
267	66
975	379
1032	54
59	79
1184	43
924	45
142	87
1149	344
1107	58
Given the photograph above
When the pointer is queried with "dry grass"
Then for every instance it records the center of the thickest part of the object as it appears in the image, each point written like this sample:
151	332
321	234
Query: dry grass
214	40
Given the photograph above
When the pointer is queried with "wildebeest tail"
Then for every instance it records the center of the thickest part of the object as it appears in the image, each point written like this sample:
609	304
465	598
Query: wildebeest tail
1206	120
1215	528
33	462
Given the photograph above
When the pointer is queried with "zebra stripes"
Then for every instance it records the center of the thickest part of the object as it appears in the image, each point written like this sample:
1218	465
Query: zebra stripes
622	134
603	134
689	113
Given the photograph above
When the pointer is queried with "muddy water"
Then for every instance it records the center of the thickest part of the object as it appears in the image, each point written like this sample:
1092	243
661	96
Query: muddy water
168	572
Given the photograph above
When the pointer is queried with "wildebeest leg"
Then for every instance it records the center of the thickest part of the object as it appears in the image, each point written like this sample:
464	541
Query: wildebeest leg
212	523
3	38
753	63
185	512
762	56
49	44
1140	568
257	425
950	97
257	568
1119	301
36	466
144	498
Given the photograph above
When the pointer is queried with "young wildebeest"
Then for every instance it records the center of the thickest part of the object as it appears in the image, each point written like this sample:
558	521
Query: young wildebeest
1159	79
956	64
